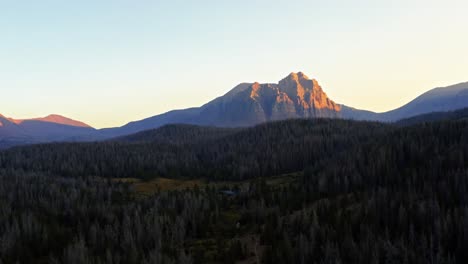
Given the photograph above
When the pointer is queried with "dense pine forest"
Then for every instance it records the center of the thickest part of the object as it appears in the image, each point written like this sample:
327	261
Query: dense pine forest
296	191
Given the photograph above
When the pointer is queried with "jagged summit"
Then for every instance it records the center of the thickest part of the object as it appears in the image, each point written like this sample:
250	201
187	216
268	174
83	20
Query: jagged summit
295	96
307	94
296	76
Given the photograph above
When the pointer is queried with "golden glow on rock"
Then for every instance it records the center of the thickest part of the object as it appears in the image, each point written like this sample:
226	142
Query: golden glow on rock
297	91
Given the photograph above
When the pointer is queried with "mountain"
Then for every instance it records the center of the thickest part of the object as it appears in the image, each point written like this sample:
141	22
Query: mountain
46	129
295	96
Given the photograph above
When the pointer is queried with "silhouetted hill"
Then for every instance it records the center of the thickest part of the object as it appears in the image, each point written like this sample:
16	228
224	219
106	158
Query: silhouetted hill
178	134
437	116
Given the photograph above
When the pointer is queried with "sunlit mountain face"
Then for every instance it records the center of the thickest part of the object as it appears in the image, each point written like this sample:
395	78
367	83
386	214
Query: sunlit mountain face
247	104
295	96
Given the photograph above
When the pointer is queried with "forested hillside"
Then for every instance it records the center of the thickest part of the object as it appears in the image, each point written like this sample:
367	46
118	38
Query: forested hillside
193	152
178	134
298	191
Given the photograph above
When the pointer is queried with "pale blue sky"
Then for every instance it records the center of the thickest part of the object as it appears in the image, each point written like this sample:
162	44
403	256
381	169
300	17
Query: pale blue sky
110	62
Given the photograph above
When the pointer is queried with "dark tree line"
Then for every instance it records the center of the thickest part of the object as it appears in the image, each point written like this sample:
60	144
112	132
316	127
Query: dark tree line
187	151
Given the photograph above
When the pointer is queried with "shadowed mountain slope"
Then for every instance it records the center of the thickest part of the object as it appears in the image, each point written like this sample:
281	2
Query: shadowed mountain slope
436	100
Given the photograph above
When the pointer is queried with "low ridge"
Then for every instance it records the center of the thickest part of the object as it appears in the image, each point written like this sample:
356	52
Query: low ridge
58	119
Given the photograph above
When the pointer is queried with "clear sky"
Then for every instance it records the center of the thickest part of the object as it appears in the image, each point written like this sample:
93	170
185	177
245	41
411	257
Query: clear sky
109	62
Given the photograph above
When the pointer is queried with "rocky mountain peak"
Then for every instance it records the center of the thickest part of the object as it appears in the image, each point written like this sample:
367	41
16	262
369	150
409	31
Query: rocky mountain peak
306	93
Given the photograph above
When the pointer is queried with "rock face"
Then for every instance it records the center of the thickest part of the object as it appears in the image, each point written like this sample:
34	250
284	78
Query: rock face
307	96
295	96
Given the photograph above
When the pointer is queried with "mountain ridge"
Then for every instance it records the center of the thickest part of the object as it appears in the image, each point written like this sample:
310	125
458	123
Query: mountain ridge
52	118
247	104
440	99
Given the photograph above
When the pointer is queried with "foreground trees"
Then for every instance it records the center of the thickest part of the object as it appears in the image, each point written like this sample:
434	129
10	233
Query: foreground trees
62	220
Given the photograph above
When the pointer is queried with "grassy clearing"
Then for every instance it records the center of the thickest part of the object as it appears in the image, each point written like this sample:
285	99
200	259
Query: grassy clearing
282	179
151	187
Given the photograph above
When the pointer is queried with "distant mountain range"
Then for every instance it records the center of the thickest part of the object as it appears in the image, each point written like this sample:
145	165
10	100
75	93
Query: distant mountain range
247	104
